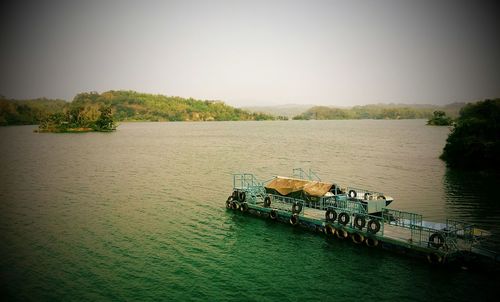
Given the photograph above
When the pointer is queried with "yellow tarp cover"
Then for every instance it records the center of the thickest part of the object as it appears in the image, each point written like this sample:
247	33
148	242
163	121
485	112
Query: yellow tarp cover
285	186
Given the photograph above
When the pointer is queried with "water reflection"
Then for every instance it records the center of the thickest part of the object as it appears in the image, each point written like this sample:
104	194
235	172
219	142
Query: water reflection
472	197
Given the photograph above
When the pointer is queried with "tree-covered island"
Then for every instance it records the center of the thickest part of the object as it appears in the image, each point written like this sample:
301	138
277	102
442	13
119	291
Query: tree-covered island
439	118
79	119
474	142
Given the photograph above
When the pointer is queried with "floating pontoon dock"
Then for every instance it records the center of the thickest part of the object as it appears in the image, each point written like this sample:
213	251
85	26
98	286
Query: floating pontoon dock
361	215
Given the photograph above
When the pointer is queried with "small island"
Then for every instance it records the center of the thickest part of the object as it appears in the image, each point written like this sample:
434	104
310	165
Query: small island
79	119
440	119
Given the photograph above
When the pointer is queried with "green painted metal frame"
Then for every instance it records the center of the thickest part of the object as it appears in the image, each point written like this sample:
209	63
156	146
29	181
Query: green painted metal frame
310	175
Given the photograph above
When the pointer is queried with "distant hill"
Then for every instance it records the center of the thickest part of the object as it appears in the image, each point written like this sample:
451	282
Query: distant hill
289	110
126	106
136	106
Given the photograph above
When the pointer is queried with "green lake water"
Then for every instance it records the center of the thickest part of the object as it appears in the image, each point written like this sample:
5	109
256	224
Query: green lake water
139	215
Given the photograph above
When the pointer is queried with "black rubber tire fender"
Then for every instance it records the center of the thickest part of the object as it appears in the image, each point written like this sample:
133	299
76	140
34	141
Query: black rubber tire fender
367	195
273	214
342	234
439	243
329	230
330	215
297	208
228	201
235	205
267	201
344	218
373	226
435	259
294	219
371	242
243	196
357	238
352	194
359	222
244	207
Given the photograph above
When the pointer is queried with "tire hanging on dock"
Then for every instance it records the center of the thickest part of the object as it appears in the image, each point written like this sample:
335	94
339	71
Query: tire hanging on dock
273	214
243	196
440	240
357	238
373	226
267	202
330	215
294	219
344	218
367	196
244	207
435	258
297	208
359	222
234	205
342	234
228	201
352	194
329	230
371	242
235	195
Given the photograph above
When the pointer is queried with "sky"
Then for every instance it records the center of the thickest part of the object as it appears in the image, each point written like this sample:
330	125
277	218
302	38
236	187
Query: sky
254	53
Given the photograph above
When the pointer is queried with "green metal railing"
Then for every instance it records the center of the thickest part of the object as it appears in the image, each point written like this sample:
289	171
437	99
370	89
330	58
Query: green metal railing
284	203
341	202
248	183
300	173
401	218
363	194
454	236
245	180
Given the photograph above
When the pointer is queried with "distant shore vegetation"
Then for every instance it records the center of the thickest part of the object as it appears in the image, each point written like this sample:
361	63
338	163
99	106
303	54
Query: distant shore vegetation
474	142
129	106
379	111
28	112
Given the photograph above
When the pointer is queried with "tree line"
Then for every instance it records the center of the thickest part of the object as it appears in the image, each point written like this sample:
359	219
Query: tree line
28	112
370	112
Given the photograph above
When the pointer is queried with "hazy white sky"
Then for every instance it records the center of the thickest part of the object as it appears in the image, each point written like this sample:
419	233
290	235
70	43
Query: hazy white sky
254	52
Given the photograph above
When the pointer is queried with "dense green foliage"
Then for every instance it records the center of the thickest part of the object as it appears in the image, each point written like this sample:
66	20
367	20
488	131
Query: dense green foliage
474	143
364	112
440	119
27	112
125	106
